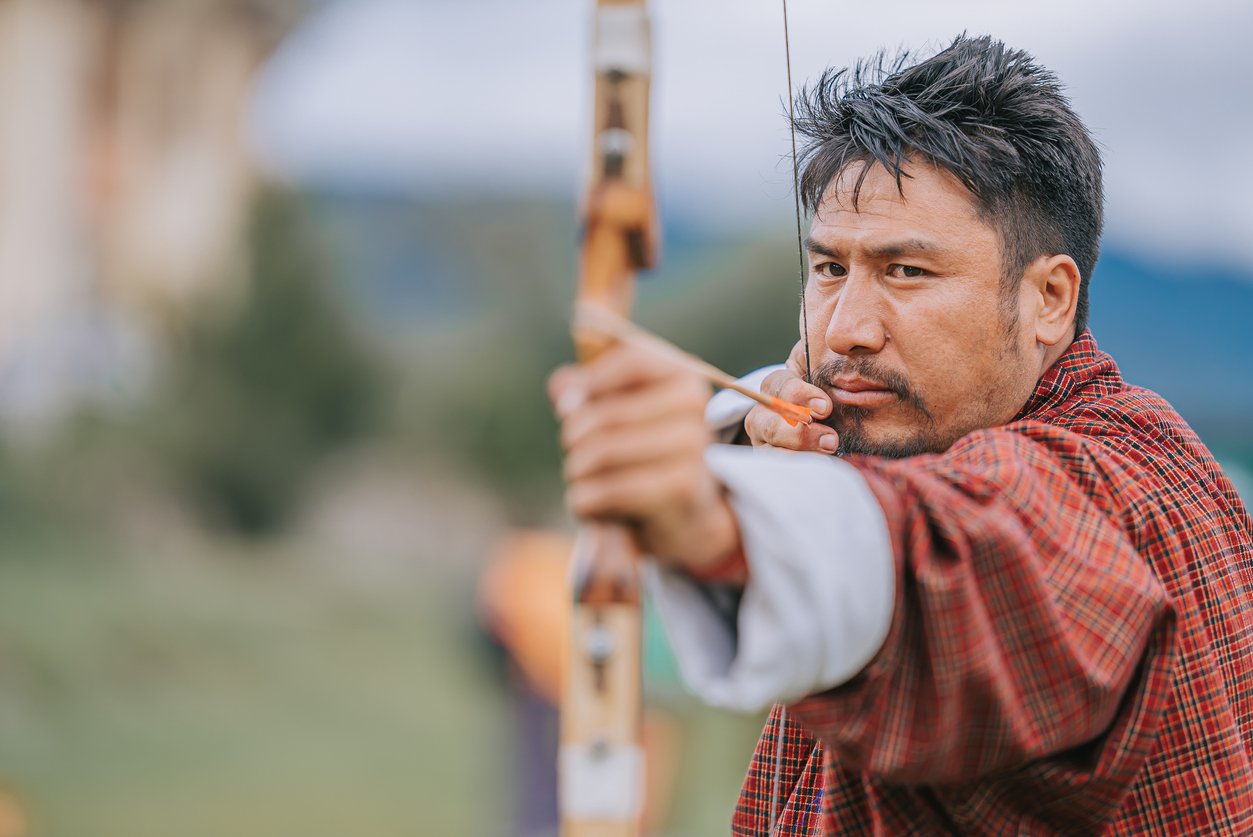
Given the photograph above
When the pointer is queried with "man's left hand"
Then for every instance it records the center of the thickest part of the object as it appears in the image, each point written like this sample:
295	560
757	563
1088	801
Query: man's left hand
633	429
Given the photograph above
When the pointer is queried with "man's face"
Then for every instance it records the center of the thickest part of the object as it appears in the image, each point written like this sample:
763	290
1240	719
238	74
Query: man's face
909	329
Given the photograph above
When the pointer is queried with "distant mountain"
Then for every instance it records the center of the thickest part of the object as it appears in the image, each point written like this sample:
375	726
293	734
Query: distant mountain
1184	331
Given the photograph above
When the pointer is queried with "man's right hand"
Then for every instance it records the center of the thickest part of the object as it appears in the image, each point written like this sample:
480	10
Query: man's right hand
767	428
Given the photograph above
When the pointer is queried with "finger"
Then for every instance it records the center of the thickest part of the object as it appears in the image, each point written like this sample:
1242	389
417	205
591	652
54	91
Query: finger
636	445
796	361
633	493
668	399
566	390
627	366
622	366
793	389
767	428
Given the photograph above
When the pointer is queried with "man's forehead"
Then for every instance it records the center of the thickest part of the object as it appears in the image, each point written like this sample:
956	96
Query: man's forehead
929	206
922	188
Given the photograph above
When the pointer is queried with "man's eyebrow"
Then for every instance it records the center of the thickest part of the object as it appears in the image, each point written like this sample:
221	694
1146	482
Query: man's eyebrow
812	246
890	250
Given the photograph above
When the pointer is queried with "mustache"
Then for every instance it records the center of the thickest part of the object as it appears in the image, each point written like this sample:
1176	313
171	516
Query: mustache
869	369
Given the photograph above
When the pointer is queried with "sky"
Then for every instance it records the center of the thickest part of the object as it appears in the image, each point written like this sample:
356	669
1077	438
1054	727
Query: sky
493	97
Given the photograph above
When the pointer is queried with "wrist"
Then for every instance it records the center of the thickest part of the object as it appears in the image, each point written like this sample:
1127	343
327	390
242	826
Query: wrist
732	569
719	554
701	538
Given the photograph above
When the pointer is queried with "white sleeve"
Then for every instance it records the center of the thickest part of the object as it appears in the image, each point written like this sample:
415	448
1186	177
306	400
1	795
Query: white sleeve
727	408
821	588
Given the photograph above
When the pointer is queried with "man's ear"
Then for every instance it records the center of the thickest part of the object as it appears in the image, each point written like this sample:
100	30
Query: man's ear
1053	284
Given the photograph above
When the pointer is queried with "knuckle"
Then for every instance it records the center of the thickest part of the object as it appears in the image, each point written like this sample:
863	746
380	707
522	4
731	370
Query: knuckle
773	383
586	423
595	461
566	436
753	424
697	439
588	499
576	501
795	390
688	394
589	458
769	429
633	363
687	487
557	380
696	389
574	437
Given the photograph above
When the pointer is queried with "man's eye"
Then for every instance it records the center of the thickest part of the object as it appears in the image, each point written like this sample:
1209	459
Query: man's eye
831	269
908	272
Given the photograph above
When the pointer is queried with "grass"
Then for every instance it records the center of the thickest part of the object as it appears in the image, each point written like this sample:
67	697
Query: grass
206	689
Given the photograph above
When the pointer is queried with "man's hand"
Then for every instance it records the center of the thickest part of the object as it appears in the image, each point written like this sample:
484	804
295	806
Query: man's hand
633	429
767	428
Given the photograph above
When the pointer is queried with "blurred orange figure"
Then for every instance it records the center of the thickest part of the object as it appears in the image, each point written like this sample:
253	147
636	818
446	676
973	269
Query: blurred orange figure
13	822
525	604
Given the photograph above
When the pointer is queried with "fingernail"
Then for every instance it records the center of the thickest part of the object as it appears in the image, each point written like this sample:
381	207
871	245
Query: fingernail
570	400
829	443
818	405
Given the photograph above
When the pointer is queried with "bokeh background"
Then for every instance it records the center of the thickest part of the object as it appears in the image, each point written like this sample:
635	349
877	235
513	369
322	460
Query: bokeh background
280	282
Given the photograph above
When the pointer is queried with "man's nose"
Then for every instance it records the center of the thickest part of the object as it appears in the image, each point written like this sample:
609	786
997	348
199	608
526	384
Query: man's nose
856	325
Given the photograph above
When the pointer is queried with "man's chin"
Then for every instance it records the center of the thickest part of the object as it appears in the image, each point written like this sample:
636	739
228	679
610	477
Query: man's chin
887	449
862	438
896	431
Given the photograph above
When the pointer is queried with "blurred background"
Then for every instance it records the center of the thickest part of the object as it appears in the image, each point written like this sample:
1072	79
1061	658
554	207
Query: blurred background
280	283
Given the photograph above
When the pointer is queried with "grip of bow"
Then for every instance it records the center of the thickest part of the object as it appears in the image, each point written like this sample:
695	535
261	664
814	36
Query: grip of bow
601	758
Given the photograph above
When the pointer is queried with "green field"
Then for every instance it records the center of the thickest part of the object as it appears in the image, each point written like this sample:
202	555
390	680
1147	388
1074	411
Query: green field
192	688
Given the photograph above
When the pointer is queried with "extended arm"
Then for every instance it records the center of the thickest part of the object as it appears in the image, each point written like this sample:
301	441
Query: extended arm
1023	615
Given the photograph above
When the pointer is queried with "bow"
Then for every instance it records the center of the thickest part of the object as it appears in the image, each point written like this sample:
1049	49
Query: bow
601	762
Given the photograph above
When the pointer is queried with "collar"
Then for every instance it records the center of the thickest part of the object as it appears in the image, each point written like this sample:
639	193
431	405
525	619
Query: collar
1082	367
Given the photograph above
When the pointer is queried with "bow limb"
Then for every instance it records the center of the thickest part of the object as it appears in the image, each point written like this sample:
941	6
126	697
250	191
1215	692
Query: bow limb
601	758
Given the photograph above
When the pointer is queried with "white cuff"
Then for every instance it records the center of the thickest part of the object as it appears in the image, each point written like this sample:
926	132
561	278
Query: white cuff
821	588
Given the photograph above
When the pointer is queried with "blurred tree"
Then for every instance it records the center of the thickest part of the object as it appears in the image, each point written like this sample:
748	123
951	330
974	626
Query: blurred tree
258	398
474	295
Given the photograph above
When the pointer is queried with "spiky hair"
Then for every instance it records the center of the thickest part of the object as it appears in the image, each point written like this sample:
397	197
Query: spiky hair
991	116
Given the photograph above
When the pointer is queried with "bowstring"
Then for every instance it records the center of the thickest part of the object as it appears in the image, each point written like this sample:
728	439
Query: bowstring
800	255
796	191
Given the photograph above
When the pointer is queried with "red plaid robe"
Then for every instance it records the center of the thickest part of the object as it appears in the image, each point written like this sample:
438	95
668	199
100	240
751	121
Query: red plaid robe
1072	647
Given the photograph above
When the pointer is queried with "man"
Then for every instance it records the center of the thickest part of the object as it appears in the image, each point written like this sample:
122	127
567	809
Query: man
1021	599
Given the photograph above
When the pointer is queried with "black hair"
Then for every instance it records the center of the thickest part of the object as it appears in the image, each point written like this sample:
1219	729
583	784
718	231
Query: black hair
991	116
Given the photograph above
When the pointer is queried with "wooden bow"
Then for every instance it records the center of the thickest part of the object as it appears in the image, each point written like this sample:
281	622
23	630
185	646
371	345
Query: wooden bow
601	758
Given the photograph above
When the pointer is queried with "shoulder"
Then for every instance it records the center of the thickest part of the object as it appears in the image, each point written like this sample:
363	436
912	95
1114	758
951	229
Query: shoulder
1129	450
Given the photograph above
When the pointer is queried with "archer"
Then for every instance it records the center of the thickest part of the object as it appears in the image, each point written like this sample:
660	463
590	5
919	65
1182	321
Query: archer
1002	591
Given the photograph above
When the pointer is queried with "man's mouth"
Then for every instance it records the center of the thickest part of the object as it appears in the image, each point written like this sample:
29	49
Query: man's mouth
858	392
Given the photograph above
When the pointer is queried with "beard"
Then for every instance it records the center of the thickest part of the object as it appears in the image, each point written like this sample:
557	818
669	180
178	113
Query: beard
927	436
984	408
849	421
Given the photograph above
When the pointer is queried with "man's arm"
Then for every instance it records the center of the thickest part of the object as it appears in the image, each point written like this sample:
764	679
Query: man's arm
820	586
1026	623
1019	614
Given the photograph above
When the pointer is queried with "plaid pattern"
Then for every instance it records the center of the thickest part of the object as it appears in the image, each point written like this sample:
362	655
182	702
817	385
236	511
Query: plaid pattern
1072	648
